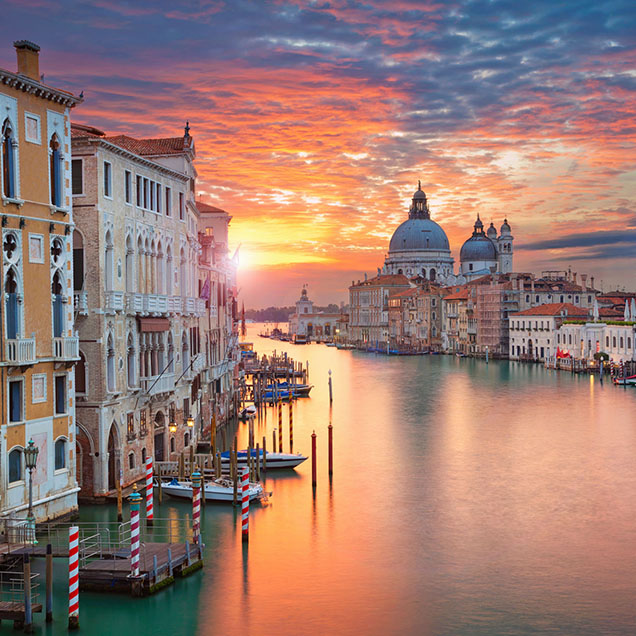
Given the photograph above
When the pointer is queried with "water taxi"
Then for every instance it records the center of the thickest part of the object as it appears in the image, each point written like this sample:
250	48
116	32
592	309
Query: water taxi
274	460
221	489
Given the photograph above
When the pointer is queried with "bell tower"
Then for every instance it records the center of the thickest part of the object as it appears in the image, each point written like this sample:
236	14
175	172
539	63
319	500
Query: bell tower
504	251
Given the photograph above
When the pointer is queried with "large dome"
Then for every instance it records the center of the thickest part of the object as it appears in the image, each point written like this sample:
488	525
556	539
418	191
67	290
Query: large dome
478	248
417	235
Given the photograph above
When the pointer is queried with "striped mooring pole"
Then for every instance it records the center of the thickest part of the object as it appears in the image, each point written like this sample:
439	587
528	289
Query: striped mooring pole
149	502
73	577
280	427
622	368
245	504
135	503
612	368
196	505
291	427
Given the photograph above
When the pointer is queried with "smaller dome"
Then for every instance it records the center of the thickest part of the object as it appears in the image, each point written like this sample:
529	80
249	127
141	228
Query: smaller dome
419	194
505	228
478	248
478	224
491	232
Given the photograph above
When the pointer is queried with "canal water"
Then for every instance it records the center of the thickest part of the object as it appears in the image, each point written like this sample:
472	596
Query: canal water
467	498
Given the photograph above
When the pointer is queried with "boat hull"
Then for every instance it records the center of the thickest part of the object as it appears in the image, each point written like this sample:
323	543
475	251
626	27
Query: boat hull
213	491
274	460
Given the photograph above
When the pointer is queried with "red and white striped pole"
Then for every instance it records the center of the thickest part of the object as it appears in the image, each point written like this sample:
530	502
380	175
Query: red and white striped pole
149	502
135	503
622	369
196	506
245	504
73	577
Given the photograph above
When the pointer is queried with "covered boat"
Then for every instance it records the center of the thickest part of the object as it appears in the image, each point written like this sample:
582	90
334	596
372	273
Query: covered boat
274	460
221	489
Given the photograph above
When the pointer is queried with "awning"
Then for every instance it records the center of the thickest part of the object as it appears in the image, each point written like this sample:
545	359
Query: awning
153	324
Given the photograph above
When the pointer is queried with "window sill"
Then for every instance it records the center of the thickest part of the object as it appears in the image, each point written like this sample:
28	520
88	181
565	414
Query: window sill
61	471
54	209
14	200
14	484
19	423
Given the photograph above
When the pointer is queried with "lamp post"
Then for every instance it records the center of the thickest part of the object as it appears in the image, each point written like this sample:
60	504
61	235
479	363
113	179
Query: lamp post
31	458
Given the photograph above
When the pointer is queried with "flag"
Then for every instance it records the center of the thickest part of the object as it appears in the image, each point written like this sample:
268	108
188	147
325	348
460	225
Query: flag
205	290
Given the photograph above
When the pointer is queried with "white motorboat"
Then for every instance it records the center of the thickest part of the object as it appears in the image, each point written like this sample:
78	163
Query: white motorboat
220	489
274	460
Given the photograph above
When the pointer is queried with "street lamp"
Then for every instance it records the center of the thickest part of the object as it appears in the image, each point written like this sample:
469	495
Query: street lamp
31	458
190	421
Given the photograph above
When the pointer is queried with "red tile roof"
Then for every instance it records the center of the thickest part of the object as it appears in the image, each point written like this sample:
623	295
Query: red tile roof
149	147
206	207
413	291
460	295
384	279
554	309
80	130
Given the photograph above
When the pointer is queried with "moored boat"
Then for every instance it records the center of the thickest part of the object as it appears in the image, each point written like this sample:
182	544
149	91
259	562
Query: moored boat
628	381
220	489
247	413
274	460
297	389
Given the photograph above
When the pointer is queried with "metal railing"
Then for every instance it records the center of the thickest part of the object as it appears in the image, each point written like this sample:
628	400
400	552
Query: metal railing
12	587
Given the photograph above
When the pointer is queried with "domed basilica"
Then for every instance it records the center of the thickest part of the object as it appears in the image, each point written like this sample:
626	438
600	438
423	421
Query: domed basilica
419	247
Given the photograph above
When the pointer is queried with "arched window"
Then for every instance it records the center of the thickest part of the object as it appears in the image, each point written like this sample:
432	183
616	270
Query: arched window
169	271
432	274
55	172
108	262
132	380
8	161
80	374
58	305
60	454
78	261
130	265
170	353
15	465
143	456
183	274
186	439
12	309
141	269
161	276
110	363
172	445
131	461
185	352
613	342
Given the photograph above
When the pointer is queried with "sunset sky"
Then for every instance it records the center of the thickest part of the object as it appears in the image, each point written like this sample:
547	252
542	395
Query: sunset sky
313	121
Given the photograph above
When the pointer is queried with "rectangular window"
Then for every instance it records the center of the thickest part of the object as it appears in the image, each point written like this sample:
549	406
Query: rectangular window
139	193
152	196
142	423
181	206
77	176
108	180
128	186
131	425
145	193
158	198
168	202
60	394
15	401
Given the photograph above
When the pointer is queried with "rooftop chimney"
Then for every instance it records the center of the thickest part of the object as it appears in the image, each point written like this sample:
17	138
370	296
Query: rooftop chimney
592	282
584	281
28	59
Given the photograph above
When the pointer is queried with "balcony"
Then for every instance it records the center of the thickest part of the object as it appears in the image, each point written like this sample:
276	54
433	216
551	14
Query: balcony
174	304
190	305
135	303
199	364
114	301
80	302
21	351
155	304
200	306
154	385
66	348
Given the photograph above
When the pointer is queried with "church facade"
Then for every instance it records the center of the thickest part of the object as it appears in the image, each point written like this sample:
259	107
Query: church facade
419	247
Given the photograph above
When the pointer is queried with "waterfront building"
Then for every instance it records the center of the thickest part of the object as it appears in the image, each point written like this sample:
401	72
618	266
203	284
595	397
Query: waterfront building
369	307
428	302
403	319
311	324
144	326
583	338
533	332
38	345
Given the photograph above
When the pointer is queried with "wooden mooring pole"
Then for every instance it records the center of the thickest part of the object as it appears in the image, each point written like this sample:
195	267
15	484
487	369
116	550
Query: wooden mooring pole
313	459
28	613
49	583
330	429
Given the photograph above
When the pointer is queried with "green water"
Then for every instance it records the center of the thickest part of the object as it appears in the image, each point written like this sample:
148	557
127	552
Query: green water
467	499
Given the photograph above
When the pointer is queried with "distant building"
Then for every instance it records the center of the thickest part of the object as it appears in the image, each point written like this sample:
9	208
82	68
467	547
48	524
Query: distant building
312	324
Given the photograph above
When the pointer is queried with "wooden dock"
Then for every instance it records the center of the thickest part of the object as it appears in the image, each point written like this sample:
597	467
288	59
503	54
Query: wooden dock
159	565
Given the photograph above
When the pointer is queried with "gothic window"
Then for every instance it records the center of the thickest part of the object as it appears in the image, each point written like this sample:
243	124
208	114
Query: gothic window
12	309
110	363
168	271
8	161
15	465
185	352
108	262
58	305
55	171
130	265
432	274
80	374
131	361
160	270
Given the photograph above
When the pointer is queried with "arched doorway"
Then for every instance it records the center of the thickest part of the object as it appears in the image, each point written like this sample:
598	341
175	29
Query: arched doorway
159	436
530	352
113	457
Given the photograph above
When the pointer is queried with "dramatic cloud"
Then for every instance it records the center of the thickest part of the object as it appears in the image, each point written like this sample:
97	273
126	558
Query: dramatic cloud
314	120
